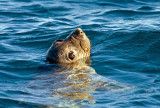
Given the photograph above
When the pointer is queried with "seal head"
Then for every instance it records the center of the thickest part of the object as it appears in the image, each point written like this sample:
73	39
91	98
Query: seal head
75	47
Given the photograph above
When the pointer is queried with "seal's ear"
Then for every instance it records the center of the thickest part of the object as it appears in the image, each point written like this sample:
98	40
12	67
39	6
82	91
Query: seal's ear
58	42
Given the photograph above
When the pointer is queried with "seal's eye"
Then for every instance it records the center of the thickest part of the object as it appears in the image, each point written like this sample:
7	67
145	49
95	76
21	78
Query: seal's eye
71	55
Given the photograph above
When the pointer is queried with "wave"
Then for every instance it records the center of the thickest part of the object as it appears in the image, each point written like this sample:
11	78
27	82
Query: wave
129	13
16	14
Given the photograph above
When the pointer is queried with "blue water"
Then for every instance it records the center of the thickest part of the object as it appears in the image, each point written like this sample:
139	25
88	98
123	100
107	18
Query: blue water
125	37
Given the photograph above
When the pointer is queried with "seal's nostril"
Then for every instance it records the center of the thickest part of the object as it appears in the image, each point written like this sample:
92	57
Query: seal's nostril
76	32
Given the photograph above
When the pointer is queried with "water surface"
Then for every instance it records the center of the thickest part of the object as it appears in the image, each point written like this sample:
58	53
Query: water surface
125	37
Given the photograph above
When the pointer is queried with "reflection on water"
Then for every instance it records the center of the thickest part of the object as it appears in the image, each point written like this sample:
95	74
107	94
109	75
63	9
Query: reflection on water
75	83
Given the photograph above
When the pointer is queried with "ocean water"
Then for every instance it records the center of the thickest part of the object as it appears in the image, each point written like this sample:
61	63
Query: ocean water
125	37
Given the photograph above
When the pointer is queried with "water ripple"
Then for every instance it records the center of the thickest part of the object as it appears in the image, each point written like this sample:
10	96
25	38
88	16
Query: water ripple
125	47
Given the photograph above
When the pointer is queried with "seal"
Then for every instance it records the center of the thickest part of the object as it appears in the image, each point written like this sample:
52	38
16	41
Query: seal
73	54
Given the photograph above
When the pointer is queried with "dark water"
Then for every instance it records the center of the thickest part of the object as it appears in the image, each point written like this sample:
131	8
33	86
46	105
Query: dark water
125	37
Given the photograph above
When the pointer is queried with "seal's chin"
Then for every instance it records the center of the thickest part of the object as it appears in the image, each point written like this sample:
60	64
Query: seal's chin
51	61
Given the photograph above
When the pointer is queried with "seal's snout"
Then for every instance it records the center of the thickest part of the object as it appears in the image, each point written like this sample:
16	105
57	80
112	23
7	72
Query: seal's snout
78	31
